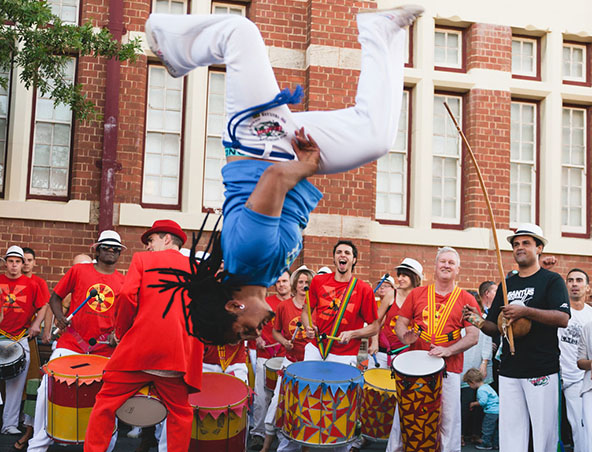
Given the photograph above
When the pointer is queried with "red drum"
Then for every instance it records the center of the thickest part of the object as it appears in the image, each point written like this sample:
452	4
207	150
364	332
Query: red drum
220	419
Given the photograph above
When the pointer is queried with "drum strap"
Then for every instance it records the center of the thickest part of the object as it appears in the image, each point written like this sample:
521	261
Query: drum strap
224	362
325	349
16	338
437	320
441	339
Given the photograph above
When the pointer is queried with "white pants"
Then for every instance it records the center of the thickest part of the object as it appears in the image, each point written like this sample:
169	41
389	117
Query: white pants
348	138
587	410
14	392
573	405
261	400
450	418
524	398
239	370
40	440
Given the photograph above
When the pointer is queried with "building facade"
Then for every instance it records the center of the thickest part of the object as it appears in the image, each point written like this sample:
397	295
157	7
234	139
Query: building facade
517	76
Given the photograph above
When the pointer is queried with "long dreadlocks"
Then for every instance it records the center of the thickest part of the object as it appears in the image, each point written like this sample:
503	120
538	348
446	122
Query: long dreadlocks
204	291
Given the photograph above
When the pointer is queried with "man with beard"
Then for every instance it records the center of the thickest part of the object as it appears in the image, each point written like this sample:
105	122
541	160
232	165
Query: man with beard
529	379
437	315
93	321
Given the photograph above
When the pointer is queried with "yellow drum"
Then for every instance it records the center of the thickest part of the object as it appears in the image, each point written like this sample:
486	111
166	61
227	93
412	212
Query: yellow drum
378	404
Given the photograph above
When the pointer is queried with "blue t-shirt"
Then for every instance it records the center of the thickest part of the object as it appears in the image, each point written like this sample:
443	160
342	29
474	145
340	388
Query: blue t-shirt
258	248
488	399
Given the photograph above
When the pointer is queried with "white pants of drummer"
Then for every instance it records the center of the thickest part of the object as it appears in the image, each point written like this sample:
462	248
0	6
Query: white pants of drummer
312	353
573	406
270	427
40	440
450	430
14	392
347	138
525	401
262	399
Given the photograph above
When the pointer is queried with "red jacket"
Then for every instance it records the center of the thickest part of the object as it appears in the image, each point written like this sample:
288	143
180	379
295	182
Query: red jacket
149	341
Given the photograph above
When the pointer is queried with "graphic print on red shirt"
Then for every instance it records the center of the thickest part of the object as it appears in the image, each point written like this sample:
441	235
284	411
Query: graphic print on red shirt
20	300
269	352
286	321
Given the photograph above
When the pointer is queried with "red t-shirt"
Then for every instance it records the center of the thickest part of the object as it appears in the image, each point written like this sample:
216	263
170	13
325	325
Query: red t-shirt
273	302
387	338
415	308
235	354
44	292
20	300
97	318
287	317
326	295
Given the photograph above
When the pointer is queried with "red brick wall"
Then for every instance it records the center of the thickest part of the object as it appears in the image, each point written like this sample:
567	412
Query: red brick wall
489	47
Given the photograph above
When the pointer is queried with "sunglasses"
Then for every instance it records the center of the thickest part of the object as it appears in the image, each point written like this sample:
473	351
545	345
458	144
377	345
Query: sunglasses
114	248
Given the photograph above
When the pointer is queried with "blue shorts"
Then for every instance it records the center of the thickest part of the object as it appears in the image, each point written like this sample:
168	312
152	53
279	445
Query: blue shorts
259	248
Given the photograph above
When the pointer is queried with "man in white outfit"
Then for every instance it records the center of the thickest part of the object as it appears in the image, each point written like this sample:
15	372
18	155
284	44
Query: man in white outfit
569	339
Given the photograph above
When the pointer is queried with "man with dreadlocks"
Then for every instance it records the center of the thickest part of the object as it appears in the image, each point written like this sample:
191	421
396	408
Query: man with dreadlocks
153	349
269	154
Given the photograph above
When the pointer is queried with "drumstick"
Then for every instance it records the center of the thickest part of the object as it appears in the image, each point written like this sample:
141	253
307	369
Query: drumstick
298	328
324	336
386	275
376	364
92	342
306	289
397	350
93	293
271	345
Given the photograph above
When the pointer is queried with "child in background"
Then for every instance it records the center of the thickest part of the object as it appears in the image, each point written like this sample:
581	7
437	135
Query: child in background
489	401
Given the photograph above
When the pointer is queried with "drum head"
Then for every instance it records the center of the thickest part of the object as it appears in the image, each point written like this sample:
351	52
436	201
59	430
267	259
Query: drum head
274	364
10	352
325	371
380	378
219	391
142	411
85	367
417	363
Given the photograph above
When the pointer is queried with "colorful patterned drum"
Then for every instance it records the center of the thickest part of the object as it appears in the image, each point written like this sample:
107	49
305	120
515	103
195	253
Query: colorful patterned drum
72	386
419	390
378	404
319	403
144	409
272	366
220	419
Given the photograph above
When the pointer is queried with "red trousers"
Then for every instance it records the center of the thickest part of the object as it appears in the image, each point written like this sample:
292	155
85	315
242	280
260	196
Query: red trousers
120	386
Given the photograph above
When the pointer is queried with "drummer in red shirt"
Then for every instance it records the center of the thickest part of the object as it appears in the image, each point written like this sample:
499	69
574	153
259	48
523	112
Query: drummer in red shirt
440	334
153	349
21	299
340	305
92	324
227	359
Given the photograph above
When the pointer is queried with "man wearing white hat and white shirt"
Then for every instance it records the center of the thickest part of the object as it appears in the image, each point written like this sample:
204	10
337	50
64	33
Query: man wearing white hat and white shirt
20	300
529	379
93	321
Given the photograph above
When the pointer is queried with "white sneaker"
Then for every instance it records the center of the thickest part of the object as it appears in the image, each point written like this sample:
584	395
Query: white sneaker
403	16
165	44
134	432
11	430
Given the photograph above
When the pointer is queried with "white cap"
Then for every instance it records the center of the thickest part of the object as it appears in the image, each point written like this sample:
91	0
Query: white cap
412	265
389	279
301	269
15	251
530	229
109	238
324	270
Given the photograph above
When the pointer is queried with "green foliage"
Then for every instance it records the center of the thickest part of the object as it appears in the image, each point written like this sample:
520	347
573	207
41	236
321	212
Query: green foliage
39	44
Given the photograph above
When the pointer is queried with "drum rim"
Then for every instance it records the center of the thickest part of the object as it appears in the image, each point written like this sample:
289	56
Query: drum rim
425	353
22	354
289	374
143	396
382	370
228	405
281	360
51	372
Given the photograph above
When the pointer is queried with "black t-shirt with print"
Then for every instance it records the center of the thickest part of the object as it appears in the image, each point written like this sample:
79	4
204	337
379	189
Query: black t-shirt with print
537	353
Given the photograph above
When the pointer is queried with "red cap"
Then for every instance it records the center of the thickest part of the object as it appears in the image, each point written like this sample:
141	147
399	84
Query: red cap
168	226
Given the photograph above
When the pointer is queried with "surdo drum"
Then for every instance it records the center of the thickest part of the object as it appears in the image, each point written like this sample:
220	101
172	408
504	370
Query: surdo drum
12	359
272	366
144	409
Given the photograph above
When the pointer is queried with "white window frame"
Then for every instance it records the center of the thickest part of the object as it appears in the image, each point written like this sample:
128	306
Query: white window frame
535	55
56	8
517	162
459	60
156	8
382	167
449	133
229	8
4	141
49	192
571	46
159	199
572	167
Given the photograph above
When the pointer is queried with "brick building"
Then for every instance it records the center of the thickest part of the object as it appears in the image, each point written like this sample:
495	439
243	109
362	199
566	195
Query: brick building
517	76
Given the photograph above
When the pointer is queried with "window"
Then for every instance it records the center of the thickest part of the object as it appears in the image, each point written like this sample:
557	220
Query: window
170	7
574	62
523	147
448	49
446	161
392	173
4	104
51	147
222	8
162	151
573	170
67	10
215	157
525	57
